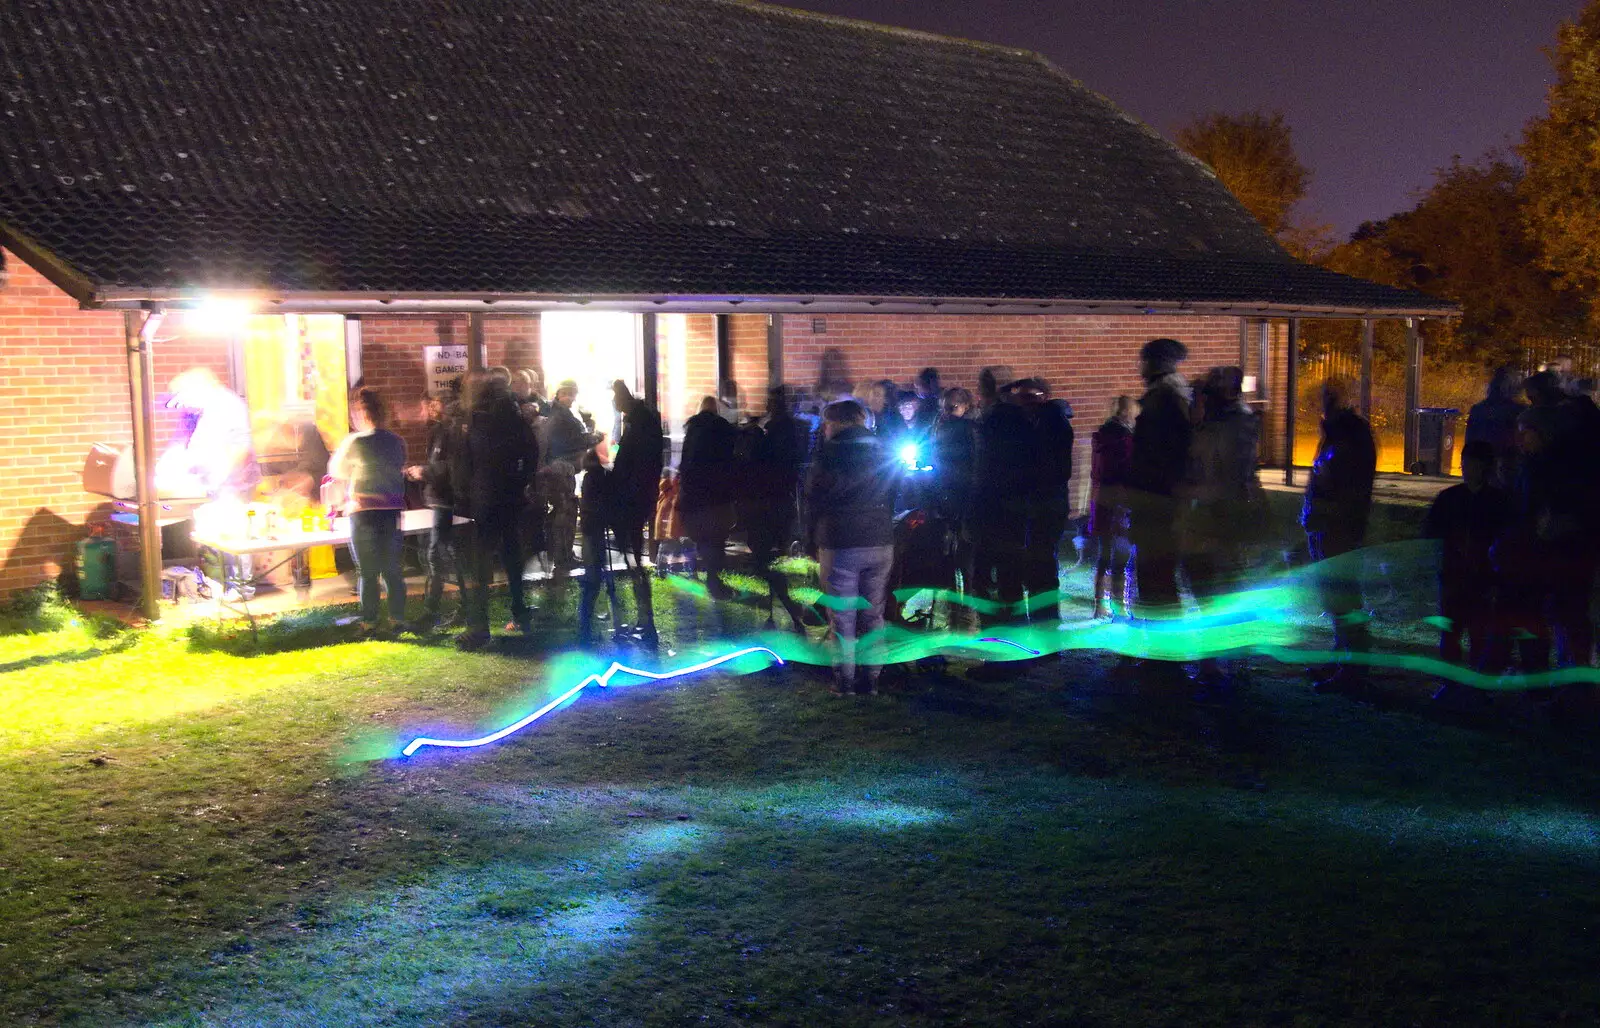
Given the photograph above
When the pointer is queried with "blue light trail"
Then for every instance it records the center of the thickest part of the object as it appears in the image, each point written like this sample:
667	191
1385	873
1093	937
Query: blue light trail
603	680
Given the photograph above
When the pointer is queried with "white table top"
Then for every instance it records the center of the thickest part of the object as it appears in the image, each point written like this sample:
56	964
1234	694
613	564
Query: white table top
290	537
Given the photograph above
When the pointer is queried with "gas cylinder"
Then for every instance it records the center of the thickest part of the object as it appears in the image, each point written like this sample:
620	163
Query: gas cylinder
97	564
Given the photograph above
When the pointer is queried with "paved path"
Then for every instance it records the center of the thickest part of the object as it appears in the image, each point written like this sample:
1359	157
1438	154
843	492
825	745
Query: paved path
1406	490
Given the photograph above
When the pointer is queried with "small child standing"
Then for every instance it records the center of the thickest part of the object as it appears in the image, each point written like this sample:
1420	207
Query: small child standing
1468	518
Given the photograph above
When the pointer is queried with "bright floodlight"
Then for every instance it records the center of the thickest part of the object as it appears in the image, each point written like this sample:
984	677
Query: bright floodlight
221	315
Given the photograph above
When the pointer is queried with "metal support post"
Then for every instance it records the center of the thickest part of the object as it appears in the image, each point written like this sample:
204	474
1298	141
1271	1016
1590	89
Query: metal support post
1291	397
1264	362
1413	389
724	367
649	359
1366	368
138	331
774	350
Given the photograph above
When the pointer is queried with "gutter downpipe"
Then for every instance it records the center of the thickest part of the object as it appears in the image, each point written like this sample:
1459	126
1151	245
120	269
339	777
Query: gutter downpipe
139	329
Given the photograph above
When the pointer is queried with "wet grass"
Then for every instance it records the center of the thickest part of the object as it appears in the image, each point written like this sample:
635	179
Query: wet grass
201	829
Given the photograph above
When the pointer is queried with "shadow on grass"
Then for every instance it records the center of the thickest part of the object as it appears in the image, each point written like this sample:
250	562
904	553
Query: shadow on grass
123	642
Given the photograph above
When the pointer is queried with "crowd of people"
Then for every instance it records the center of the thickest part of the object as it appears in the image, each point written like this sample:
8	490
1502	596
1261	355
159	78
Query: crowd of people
1519	553
933	487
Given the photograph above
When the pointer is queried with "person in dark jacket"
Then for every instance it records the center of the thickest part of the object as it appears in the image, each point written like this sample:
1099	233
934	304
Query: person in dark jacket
955	468
990	381
930	403
1008	464
634	483
1545	559
525	386
434	474
1468	519
850	505
1338	502
1221	484
887	424
1111	455
497	464
565	436
1161	435
1049	505
1221	495
1493	420
767	507
706	471
596	512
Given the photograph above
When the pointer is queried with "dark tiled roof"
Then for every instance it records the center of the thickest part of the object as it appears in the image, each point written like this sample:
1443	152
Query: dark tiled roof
619	146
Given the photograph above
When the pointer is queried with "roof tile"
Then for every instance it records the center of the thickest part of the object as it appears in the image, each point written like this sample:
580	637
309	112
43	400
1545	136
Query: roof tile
629	146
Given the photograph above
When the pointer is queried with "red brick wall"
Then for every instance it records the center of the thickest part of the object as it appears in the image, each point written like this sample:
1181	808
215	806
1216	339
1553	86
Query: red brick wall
701	344
747	343
65	388
1087	360
67	381
513	340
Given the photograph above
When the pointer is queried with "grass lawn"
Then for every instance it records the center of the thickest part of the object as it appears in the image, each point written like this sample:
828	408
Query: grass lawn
201	829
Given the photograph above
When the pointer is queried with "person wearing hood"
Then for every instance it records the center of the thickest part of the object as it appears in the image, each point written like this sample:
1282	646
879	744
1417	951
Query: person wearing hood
1338	502
1220	489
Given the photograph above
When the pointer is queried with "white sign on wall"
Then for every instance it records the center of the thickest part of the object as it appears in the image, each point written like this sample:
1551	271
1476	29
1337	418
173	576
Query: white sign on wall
443	364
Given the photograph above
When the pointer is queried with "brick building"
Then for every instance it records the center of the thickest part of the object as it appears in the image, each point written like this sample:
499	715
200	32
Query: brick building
680	193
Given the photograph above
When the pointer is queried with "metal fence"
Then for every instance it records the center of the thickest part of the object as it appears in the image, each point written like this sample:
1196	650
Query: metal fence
1585	354
1331	363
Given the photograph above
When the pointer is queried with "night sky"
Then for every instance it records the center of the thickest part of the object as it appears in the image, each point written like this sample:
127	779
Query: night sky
1378	92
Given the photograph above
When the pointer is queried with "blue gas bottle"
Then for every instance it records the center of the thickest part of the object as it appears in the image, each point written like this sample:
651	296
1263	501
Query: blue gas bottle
97	565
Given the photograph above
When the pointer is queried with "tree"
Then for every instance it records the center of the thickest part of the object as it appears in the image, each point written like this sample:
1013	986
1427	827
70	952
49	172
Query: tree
1253	155
1562	153
1467	240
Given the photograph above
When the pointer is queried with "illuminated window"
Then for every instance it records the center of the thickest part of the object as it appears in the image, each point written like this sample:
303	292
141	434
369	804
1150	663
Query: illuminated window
294	373
594	349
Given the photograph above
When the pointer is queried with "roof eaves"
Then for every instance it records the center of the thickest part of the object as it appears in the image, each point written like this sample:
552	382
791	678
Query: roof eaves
60	274
433	303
